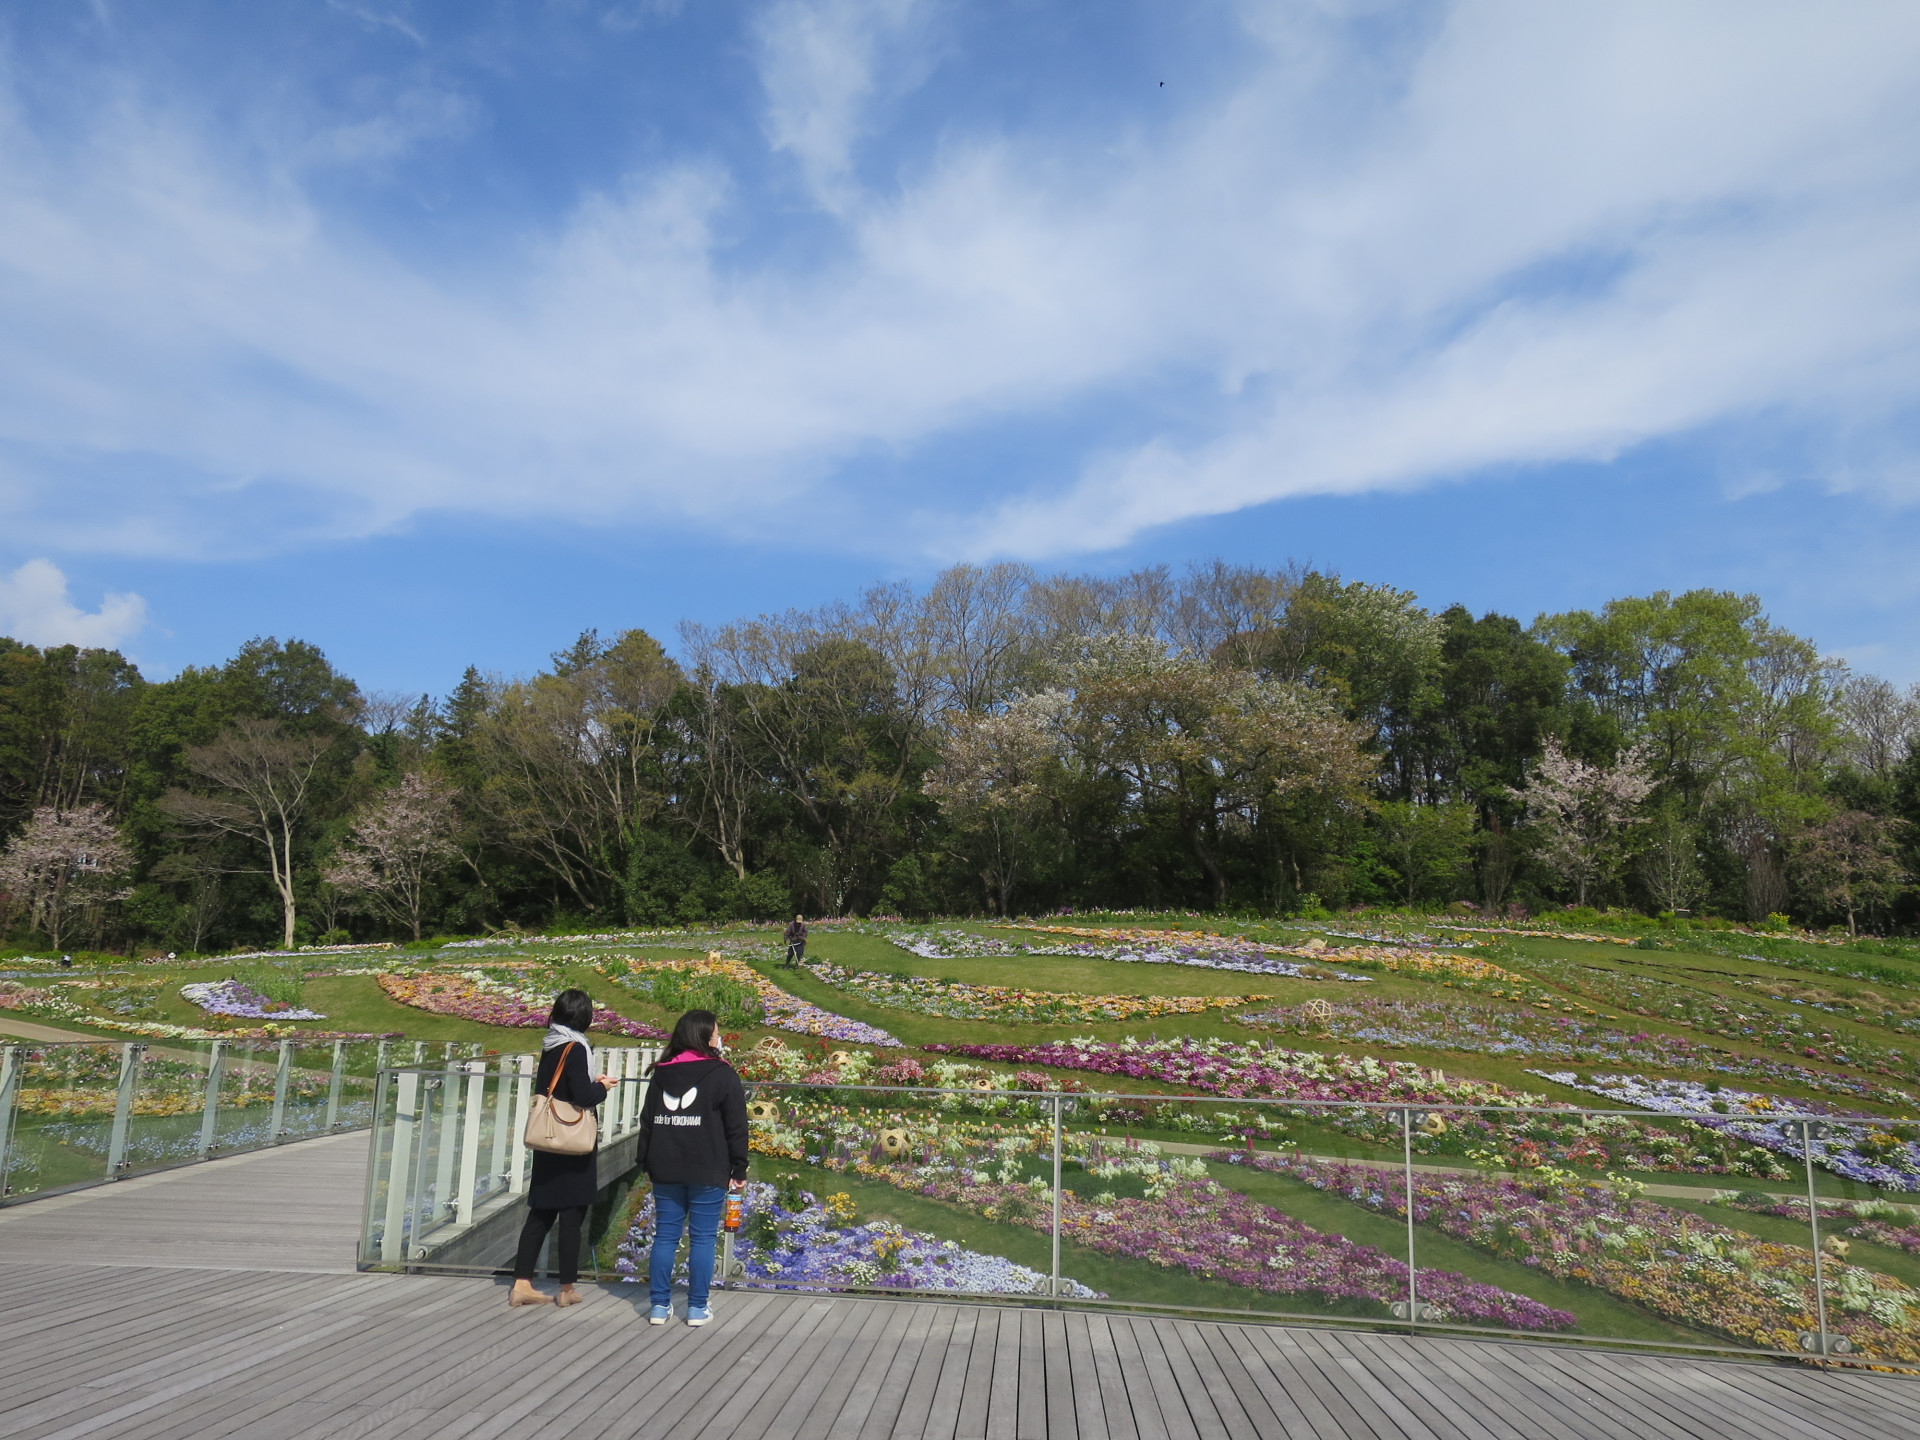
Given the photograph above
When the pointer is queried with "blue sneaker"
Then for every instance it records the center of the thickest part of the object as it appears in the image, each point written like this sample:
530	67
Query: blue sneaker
699	1314
659	1315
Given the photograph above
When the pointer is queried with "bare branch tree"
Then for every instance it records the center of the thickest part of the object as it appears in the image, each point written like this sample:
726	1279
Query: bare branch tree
268	777
1851	861
1879	725
979	633
1669	861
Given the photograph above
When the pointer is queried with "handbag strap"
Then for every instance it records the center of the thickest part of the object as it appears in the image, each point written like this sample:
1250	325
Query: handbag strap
554	1084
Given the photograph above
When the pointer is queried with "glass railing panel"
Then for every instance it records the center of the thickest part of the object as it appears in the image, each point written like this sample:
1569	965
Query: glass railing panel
352	1105
1185	1202
243	1113
308	1087
164	1120
65	1099
867	1188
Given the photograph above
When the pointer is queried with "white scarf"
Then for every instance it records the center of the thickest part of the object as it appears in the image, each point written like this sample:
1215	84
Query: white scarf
558	1035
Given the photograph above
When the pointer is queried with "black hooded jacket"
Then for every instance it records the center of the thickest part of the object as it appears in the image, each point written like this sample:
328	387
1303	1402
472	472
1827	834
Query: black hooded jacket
693	1124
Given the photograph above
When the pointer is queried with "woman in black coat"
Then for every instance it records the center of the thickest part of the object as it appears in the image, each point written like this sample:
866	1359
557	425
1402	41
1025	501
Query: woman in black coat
563	1186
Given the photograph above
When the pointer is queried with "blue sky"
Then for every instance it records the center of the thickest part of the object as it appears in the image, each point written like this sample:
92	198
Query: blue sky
436	333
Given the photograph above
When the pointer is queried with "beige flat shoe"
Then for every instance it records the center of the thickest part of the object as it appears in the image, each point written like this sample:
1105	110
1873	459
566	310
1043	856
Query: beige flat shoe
569	1296
524	1294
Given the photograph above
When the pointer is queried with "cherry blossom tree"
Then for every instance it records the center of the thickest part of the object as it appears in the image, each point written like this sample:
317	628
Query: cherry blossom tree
992	786
398	844
1578	813
64	865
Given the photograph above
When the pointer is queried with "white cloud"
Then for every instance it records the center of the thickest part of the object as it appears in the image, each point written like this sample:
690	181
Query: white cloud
824	63
1534	233
35	608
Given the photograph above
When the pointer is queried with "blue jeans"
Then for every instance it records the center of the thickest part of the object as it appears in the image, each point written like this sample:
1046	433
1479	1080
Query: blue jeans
696	1207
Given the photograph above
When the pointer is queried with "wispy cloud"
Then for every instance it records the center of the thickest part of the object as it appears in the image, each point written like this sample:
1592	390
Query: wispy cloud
36	608
1520	234
825	65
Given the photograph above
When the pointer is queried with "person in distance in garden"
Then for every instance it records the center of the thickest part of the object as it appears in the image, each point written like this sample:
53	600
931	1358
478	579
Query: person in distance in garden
563	1186
796	937
693	1146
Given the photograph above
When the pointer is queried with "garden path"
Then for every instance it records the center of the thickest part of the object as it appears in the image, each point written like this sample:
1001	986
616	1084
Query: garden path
101	1335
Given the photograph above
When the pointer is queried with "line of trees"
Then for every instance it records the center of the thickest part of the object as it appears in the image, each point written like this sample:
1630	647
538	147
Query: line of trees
1234	738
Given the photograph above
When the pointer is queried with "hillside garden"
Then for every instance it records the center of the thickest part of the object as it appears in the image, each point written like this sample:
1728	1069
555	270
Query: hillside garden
1242	1174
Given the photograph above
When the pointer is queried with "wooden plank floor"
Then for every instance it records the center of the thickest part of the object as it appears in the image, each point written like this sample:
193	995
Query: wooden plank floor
155	1354
295	1207
219	1301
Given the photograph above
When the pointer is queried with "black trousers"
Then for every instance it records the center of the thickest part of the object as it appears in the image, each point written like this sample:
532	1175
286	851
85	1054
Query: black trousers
796	951
534	1234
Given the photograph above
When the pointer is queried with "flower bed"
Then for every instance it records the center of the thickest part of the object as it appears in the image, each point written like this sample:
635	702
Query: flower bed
1262	1070
949	944
790	1012
1886	1224
1793	1032
1530	1034
1183	1221
1011	1005
1149	947
1238	1068
46	1004
234	997
472	995
1859	1147
794	1241
1671	1262
1179	943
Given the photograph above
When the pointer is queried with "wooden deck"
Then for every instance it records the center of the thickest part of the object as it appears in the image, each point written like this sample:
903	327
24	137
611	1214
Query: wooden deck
296	1207
263	1342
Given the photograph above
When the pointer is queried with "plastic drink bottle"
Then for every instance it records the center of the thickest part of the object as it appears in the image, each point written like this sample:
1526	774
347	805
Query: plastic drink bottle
732	1222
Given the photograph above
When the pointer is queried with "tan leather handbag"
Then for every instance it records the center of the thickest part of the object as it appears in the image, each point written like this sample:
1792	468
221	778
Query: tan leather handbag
557	1127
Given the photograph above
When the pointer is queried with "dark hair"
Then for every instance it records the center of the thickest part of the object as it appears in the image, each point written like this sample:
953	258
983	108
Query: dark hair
573	1009
692	1031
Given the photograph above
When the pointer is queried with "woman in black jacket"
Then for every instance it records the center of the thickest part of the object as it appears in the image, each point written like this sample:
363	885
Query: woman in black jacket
693	1146
563	1185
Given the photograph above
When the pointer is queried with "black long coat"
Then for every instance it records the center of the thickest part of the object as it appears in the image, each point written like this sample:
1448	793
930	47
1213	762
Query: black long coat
561	1182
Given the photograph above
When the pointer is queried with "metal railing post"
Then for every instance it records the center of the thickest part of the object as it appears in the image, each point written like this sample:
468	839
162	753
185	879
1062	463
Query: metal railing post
210	1106
406	1118
522	1102
1807	1128
475	1107
130	1056
1054	1288
382	1086
282	1078
502	1122
448	1154
1413	1284
10	1068
333	1084
424	1216
629	1111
